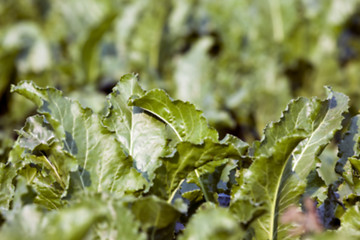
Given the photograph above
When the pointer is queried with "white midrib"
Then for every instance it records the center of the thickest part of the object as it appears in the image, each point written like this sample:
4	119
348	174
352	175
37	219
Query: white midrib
177	134
180	138
55	170
86	157
297	160
131	134
273	205
132	123
272	224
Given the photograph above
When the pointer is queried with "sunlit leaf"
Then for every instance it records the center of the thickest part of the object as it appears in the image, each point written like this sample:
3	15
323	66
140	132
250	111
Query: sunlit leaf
187	158
103	165
186	121
275	180
141	135
326	122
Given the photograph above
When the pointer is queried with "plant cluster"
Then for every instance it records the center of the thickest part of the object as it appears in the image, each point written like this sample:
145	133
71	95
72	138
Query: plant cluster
238	61
150	167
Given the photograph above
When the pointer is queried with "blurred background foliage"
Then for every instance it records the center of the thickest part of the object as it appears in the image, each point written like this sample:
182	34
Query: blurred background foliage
240	61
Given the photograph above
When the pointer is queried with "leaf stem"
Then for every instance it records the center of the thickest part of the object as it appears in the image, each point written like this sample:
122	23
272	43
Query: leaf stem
55	171
154	228
207	199
174	192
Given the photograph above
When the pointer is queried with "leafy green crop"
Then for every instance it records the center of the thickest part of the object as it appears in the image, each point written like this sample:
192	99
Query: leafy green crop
150	167
241	75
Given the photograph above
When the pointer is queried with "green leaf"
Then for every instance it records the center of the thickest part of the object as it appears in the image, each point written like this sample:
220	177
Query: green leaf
271	183
355	163
272	180
213	224
37	134
45	165
215	172
39	139
188	123
349	153
212	166
326	122
349	146
327	169
186	159
72	223
141	135
120	222
350	227
47	171
103	165
119	118
24	223
154	212
198	142
209	177
90	217
245	210
7	174
238	143
88	49
315	187
350	184
24	194
193	195
350	222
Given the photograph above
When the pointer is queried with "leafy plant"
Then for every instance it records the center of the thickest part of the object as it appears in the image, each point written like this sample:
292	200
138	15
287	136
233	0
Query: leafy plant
150	167
202	51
